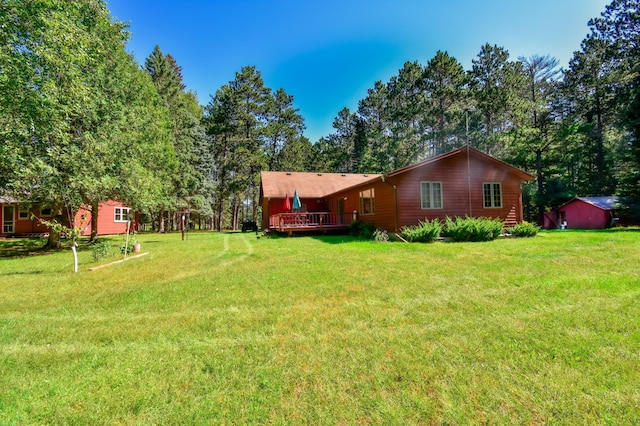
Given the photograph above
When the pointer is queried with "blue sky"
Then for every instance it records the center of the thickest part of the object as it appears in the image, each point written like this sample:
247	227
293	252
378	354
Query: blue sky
327	53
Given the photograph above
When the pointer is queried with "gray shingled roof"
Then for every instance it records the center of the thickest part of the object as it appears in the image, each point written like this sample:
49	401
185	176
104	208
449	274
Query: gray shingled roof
608	202
6	199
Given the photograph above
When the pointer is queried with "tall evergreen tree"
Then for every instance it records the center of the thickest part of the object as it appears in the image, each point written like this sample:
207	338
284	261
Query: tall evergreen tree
76	122
589	85
236	119
618	28
445	84
496	84
284	127
372	111
536	132
187	135
407	116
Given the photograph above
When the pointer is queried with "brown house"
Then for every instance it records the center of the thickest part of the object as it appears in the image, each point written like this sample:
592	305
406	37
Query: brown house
463	182
313	190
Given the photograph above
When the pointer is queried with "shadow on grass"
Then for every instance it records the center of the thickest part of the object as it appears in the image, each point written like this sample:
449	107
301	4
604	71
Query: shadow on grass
25	247
38	272
22	247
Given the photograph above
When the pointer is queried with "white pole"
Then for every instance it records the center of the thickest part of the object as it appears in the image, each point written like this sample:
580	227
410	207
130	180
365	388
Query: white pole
126	244
75	255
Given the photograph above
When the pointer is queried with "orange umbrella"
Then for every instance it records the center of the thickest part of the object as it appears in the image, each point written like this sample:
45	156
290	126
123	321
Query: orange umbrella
287	204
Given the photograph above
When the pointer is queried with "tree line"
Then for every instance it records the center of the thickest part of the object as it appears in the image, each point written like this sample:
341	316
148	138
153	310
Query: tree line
82	122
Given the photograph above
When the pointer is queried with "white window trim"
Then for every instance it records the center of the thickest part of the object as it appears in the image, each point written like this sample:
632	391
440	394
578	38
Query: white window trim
123	212
493	186
431	197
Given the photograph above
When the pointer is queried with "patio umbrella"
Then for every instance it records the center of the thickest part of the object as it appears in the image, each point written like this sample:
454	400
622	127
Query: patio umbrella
296	200
287	204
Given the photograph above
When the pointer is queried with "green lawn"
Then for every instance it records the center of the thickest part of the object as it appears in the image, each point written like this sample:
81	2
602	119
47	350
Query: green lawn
231	329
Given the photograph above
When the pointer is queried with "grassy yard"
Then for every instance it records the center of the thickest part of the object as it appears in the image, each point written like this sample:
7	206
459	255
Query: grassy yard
231	329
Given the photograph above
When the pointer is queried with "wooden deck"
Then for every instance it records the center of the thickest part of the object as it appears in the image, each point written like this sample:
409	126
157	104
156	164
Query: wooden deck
309	221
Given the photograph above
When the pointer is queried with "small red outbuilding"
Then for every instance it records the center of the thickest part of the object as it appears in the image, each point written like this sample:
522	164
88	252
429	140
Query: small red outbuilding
22	219
583	213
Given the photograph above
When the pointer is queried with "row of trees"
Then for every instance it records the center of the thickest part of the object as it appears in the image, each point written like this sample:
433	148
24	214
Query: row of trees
81	122
575	129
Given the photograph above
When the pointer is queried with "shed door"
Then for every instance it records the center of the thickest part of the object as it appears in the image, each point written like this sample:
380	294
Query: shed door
8	213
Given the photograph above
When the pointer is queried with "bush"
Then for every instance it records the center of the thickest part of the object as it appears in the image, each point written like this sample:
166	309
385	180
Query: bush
423	232
473	229
100	249
523	229
128	248
380	236
361	229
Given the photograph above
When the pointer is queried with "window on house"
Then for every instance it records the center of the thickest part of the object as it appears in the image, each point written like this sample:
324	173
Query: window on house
431	195
45	211
23	211
367	201
492	195
121	214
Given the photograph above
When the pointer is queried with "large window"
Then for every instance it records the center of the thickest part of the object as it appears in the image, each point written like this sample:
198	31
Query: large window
367	201
431	195
492	195
121	214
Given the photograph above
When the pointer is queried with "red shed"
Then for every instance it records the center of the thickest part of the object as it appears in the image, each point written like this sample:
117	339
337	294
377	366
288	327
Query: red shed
584	213
16	218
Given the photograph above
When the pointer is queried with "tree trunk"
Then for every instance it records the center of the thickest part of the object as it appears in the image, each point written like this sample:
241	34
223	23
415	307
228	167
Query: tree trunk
220	215
161	221
53	242
94	222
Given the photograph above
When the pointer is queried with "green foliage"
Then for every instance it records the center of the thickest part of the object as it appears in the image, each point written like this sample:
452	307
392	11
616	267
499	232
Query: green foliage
423	232
249	126
85	117
127	246
100	249
523	229
473	229
380	236
362	230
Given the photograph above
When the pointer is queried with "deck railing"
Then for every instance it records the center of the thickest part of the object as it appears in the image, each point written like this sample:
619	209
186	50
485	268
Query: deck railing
309	220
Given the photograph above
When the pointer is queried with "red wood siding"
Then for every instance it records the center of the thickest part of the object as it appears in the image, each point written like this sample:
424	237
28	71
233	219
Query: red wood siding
579	214
273	206
24	226
384	208
106	223
106	219
462	193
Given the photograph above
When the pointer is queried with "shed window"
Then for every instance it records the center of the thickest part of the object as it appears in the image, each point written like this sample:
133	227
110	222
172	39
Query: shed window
492	195
23	211
45	211
431	195
121	214
367	201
